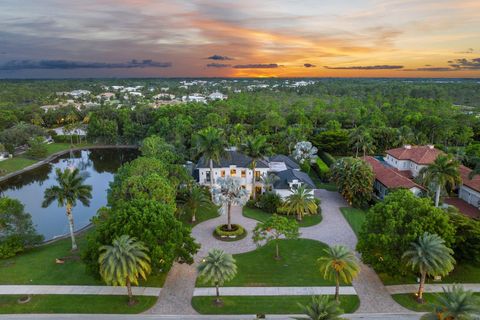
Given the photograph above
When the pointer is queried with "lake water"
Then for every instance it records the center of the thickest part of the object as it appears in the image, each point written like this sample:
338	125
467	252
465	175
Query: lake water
97	165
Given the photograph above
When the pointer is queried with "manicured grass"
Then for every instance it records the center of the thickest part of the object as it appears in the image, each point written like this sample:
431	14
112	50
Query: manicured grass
14	164
297	267
37	266
262	216
74	304
355	217
22	161
330	186
408	301
463	273
264	304
202	215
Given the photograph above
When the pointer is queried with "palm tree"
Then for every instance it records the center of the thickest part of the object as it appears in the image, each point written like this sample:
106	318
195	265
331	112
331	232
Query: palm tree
455	303
356	137
442	172
255	148
301	202
193	198
268	180
429	256
217	268
338	263
321	308
230	193
210	144
123	262
70	188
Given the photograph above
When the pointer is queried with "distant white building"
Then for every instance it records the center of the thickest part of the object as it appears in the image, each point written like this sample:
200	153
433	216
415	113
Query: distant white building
106	96
195	97
78	93
217	96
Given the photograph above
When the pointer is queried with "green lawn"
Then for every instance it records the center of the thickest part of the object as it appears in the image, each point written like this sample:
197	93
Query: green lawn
463	273
262	216
22	161
37	266
409	302
297	267
264	304
330	186
74	304
202	215
355	217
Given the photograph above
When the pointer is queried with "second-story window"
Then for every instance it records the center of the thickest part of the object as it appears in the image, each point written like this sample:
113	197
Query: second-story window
222	173
233	172
244	173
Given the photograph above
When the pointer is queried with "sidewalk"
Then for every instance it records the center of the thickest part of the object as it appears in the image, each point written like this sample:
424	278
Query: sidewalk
430	288
273	291
90	290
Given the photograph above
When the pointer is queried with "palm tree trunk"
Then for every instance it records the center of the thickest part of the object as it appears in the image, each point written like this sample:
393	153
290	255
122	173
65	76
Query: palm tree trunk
194	218
70	224
229	217
356	152
337	287
129	291
211	178
437	196
277	250
421	287
254	196
217	300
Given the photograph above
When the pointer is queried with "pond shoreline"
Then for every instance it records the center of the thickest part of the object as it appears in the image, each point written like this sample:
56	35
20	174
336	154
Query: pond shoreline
60	153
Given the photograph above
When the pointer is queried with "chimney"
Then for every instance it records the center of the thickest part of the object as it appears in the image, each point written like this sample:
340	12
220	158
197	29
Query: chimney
407	146
430	146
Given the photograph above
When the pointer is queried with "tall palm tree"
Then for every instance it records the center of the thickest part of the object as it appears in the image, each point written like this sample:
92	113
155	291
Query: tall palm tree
68	190
122	263
429	256
301	202
455	303
338	263
321	308
442	172
230	193
217	268
210	143
356	138
194	198
256	148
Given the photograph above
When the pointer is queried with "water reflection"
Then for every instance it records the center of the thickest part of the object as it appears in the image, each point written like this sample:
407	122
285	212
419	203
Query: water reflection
97	166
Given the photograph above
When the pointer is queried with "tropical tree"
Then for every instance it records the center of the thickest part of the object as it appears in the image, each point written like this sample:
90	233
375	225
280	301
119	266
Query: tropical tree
217	268
455	303
338	263
304	152
442	172
301	202
268	180
210	143
429	256
321	308
122	263
230	193
70	188
273	229
256	148
354	178
193	198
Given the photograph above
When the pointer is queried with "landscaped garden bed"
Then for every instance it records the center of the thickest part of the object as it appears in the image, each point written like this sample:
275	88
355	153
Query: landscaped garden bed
260	215
263	304
237	232
74	304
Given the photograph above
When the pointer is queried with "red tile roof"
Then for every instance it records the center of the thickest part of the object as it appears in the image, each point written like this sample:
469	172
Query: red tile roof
390	177
417	154
473	183
464	207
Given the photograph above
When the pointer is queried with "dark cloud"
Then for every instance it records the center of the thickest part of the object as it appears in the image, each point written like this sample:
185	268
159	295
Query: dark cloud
437	69
219	57
379	67
218	65
309	65
466	64
256	66
428	65
66	64
468	51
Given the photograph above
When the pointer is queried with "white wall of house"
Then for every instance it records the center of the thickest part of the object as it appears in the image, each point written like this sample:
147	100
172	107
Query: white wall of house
403	165
245	175
469	195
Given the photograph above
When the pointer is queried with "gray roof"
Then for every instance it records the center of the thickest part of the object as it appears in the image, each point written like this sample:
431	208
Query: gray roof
233	158
289	162
287	176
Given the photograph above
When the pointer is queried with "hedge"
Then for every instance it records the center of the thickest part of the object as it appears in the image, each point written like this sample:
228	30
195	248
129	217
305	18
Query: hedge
327	158
238	232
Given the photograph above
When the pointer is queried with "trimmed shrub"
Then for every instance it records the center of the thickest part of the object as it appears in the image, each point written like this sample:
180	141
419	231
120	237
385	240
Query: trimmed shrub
322	170
327	158
269	202
65	138
237	230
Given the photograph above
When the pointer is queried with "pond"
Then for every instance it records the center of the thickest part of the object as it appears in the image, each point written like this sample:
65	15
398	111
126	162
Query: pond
97	166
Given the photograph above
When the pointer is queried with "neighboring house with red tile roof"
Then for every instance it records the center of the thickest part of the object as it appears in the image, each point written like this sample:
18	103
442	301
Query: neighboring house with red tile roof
388	178
469	190
412	158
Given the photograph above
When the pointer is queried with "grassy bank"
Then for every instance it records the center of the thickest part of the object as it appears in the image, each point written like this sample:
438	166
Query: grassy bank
74	304
297	266
264	304
37	266
262	216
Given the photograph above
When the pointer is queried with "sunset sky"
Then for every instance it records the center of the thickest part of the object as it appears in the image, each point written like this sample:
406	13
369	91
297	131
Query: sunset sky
247	38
